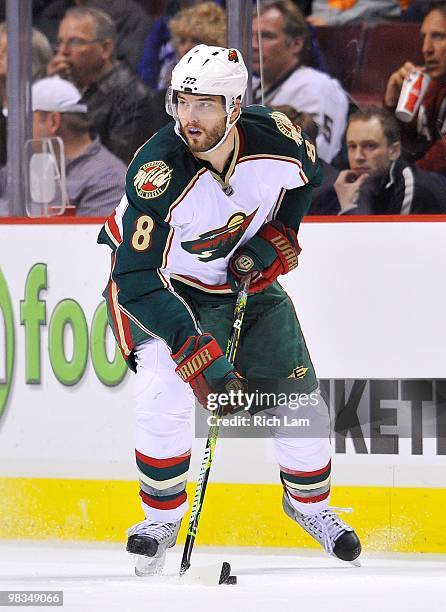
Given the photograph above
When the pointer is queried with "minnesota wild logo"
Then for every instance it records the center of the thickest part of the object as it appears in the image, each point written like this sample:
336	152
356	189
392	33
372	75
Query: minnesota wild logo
232	55
219	242
287	127
6	343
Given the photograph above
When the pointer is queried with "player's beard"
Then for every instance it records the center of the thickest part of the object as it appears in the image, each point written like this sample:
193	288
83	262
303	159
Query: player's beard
207	139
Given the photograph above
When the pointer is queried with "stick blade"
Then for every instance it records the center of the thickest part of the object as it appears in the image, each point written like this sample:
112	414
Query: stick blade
207	575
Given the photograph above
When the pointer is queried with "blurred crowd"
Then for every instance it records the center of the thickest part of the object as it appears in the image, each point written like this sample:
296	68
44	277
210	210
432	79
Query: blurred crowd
101	68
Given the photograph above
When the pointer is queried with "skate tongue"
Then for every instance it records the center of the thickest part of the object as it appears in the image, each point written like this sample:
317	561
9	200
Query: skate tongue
207	575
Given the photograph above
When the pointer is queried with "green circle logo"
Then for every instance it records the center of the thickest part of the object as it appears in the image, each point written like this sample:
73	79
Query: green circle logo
7	339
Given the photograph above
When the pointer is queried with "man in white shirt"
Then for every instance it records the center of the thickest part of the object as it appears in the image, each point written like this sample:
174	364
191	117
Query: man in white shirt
285	77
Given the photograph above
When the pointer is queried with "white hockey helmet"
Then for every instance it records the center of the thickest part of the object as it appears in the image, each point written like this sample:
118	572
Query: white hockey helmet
215	71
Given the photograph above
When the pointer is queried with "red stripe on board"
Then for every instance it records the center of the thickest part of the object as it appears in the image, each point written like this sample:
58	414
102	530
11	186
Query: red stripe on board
308	219
309	500
306	474
160	505
53	221
374	219
161	462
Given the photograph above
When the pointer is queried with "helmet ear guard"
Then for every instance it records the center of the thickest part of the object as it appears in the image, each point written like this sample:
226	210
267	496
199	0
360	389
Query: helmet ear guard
170	103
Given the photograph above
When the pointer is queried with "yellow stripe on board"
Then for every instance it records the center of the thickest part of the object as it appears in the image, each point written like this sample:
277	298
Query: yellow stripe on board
386	518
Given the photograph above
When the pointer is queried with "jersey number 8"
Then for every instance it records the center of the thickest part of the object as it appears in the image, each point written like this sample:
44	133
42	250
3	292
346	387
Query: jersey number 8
142	234
311	150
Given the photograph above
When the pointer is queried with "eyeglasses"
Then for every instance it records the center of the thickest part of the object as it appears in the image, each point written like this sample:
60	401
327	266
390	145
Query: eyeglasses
72	43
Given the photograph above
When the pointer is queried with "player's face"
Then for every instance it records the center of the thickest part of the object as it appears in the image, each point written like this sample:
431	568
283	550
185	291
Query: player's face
202	120
433	32
368	149
278	53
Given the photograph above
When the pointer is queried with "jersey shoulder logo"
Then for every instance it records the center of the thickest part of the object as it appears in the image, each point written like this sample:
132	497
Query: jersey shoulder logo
219	242
287	127
152	179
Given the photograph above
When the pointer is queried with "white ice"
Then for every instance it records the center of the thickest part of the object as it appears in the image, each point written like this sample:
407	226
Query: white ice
100	577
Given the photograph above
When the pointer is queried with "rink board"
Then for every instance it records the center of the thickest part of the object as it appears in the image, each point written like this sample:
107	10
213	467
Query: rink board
370	300
386	518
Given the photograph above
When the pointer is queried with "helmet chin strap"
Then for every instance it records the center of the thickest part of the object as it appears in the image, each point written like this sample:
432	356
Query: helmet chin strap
229	126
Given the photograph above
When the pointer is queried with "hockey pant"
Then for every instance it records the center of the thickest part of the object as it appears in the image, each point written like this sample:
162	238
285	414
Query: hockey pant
164	412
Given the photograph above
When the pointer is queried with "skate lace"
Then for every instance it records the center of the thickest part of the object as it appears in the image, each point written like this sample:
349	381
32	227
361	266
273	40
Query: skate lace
158	531
328	525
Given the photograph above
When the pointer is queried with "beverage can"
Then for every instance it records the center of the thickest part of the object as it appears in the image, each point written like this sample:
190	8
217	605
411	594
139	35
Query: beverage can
412	93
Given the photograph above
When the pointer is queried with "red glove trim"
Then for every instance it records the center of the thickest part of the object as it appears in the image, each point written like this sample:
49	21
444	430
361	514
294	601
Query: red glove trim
200	359
284	248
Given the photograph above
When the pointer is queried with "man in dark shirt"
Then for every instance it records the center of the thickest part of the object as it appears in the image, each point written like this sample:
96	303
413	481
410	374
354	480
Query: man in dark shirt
379	181
120	105
424	137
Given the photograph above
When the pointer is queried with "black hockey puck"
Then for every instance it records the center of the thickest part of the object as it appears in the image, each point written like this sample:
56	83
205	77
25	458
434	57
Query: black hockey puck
231	580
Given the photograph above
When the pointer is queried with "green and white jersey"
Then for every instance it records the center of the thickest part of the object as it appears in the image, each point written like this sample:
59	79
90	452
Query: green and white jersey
181	221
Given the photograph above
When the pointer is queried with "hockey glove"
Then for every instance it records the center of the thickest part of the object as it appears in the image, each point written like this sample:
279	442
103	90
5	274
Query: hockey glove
271	252
202	364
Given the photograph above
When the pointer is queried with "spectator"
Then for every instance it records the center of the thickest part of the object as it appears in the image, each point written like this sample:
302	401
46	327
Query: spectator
41	55
304	5
201	24
157	53
379	181
416	11
424	137
286	77
204	23
131	20
95	178
120	105
338	12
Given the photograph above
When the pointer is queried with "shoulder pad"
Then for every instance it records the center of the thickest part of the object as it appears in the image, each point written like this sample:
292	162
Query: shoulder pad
272	133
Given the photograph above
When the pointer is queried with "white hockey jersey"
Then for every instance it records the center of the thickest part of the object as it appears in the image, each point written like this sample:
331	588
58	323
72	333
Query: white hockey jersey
180	220
314	92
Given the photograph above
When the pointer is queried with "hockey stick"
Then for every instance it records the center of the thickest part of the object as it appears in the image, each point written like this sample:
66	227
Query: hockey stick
239	312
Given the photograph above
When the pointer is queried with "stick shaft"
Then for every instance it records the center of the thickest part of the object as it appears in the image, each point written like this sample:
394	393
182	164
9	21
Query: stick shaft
209	450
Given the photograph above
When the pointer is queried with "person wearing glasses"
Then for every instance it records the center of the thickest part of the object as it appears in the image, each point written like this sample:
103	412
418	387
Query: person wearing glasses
120	105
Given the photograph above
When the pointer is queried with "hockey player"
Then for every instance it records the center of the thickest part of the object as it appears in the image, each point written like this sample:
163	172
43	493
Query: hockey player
218	194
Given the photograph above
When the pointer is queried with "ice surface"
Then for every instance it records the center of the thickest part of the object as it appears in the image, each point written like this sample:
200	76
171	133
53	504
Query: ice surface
100	577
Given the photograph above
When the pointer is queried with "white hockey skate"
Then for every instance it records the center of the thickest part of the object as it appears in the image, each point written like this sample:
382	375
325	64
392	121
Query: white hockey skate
148	542
338	538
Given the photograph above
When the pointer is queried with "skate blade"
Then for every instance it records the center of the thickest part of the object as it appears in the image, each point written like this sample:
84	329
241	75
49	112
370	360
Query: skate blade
354	563
207	575
149	566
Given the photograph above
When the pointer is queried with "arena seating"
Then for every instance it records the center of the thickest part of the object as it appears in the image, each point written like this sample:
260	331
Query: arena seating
363	56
